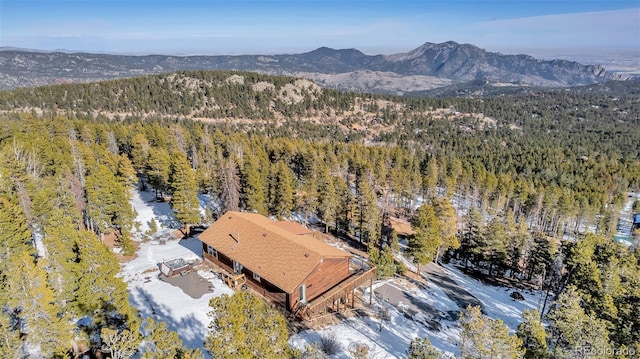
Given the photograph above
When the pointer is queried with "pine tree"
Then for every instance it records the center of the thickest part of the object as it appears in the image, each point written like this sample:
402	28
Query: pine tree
572	331
422	349
253	188
108	203
243	326
383	260
327	199
448	221
424	243
282	193
485	338
126	171
60	241
430	177
494	247
471	238
159	342
139	152
533	335
542	254
39	315
370	214
15	237
158	169
184	193
100	292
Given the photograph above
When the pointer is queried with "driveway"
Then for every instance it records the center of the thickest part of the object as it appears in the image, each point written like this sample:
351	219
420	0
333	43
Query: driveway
413	308
436	275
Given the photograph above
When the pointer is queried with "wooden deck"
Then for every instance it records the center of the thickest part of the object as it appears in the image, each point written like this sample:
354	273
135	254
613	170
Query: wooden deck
339	297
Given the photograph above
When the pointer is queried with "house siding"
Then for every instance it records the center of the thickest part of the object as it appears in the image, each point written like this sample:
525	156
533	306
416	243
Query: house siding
326	275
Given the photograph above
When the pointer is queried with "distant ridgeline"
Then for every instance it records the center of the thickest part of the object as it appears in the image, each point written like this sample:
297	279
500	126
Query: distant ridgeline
424	68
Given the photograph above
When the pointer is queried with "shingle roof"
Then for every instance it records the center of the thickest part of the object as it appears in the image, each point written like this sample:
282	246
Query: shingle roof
283	253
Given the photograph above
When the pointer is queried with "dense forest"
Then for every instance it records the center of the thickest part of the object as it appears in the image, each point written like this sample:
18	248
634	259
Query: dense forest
523	188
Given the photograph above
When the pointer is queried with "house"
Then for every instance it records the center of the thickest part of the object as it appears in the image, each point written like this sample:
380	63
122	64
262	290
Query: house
283	261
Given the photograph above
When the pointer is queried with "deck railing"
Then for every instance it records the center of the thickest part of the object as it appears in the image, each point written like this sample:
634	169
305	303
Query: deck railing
338	297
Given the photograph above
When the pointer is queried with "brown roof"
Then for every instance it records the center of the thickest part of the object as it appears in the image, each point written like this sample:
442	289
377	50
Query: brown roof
401	226
274	250
293	227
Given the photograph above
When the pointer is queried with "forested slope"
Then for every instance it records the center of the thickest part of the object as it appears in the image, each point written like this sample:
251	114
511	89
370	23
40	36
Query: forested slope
529	167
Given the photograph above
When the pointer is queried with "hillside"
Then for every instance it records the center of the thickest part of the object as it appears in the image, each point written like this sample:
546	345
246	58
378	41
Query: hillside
522	190
507	135
426	67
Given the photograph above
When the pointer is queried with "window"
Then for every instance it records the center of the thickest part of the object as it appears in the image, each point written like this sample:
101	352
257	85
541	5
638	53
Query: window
212	251
237	267
256	277
303	293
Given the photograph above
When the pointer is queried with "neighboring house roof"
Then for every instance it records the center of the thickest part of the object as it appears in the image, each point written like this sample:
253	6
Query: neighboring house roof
401	226
283	253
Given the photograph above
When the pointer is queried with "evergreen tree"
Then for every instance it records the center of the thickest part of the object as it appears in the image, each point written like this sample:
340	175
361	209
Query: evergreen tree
533	335
494	247
572	331
327	199
422	349
471	238
424	243
430	177
39	315
15	237
100	292
158	169
108	203
159	342
253	196
10	342
243	326
447	220
370	215
184	193
139	152
542	254
282	190
485	338
383	260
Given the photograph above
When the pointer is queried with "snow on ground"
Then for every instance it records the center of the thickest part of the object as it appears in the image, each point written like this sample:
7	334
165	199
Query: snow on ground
163	301
148	208
206	200
188	316
390	340
397	333
158	299
496	300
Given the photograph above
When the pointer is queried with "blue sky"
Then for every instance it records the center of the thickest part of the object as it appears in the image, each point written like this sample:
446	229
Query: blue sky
284	26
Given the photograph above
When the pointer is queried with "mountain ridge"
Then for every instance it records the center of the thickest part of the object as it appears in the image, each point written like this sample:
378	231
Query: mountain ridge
426	67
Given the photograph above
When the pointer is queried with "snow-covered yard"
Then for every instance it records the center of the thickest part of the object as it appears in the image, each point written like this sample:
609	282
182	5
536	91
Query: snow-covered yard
158	299
188	316
162	301
393	340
